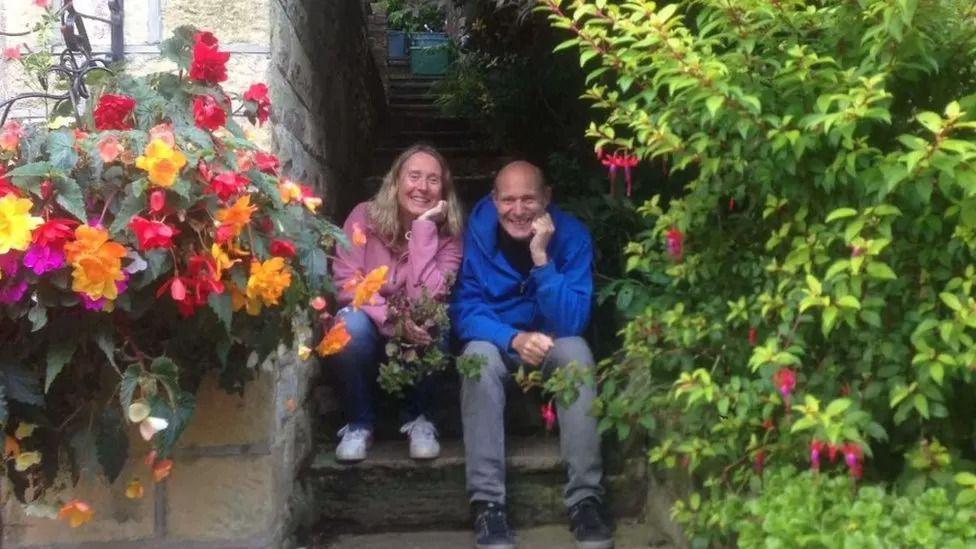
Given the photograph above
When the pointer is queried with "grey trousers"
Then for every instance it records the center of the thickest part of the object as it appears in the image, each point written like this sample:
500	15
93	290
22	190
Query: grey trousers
483	414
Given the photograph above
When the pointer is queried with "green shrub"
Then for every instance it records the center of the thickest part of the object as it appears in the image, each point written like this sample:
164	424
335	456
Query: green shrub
812	288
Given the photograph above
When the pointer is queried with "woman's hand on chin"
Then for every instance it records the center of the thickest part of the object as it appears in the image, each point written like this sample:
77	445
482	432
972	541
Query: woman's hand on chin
437	214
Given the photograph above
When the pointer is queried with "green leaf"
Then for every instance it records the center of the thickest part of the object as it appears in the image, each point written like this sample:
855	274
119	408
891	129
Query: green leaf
130	380
882	271
111	443
966	479
37	317
70	198
61	148
29	176
222	306
849	302
178	416
840	213
104	338
922	405
130	207
837	407
168	373
21	384
58	355
951	301
713	103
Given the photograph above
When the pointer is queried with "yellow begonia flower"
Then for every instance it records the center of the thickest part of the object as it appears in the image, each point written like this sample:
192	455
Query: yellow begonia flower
16	223
268	280
221	260
134	490
97	263
162	162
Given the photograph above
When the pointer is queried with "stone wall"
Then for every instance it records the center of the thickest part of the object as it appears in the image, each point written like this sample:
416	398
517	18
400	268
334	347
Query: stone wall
233	483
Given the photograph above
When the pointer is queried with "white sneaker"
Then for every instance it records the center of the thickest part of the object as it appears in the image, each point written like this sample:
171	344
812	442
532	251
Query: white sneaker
423	438
354	443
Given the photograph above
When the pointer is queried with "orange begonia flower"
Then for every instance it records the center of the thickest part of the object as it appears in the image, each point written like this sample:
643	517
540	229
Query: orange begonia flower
97	262
335	340
268	280
134	490
76	512
161	469
358	236
238	215
11	448
367	288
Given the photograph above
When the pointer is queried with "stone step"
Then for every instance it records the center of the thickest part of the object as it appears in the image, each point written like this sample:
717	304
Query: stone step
408	121
414	109
629	534
462	162
412	85
389	492
397	99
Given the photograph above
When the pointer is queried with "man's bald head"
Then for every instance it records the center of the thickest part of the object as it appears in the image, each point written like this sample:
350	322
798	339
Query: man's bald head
521	195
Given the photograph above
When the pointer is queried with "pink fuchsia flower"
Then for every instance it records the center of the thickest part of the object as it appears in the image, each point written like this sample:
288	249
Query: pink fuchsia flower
549	415
676	242
43	259
816	450
785	381
13	291
854	457
753	336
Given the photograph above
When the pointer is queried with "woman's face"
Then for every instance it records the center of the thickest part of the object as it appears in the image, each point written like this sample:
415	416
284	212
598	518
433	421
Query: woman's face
420	185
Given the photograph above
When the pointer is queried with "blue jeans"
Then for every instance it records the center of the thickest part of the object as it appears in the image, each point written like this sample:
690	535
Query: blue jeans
357	367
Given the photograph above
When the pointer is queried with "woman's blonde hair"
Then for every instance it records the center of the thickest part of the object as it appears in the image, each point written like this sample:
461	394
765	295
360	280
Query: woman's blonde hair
384	210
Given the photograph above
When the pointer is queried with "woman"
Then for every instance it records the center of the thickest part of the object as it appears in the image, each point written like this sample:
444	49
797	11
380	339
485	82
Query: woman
413	226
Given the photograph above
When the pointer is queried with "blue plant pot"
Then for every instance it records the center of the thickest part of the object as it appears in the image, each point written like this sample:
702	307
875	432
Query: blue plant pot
396	43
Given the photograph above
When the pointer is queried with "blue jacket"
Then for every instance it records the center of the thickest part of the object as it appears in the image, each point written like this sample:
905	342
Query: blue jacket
493	301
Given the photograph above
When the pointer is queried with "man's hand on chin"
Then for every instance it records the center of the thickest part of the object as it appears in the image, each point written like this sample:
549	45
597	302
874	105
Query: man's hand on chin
542	231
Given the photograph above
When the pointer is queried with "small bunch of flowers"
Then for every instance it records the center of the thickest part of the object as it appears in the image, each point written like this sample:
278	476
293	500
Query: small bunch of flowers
852	451
141	239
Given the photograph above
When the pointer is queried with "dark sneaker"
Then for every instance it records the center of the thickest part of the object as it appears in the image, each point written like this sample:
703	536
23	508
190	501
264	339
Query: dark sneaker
491	529
590	527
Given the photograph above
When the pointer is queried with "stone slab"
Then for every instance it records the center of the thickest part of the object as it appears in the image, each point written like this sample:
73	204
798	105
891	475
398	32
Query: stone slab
229	419
219	498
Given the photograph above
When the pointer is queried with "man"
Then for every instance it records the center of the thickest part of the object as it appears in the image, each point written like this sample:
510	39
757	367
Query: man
524	296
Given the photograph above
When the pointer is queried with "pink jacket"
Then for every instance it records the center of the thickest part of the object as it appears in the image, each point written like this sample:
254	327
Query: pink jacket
429	260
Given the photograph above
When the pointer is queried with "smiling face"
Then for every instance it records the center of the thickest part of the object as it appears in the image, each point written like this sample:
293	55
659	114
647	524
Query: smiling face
420	185
520	196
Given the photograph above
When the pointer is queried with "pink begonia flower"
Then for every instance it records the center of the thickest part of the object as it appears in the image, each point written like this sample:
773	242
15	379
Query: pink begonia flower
10	264
43	259
12	292
12	53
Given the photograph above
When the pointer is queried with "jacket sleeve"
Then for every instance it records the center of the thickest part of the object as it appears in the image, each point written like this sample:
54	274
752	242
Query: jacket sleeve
471	317
565	295
350	263
429	265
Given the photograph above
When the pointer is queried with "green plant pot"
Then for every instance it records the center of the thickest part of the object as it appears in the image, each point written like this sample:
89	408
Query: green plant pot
429	53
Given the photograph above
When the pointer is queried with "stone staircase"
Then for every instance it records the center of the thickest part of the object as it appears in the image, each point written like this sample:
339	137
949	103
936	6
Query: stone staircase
376	502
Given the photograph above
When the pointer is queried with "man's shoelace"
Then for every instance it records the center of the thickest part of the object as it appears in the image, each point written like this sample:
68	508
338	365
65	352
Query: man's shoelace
419	427
353	434
493	521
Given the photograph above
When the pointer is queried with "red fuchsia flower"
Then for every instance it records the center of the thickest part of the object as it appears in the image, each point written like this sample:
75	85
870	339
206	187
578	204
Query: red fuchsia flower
114	112
55	232
549	415
785	381
207	113
43	259
209	63
282	248
753	336
857	251
157	201
260	103
615	161
267	163
12	53
10	135
152	234
768	425
832	452
228	184
759	462
47	189
676	243
731	203
816	450
854	457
